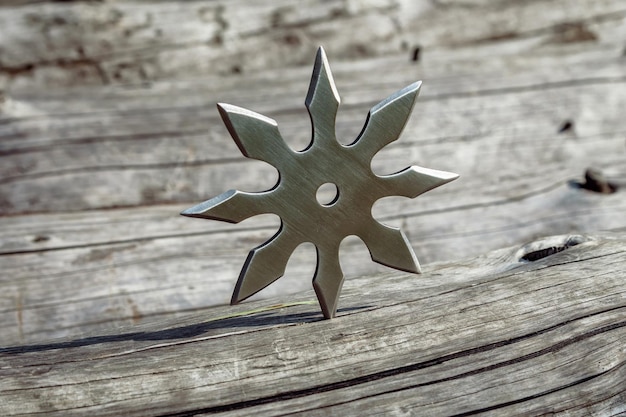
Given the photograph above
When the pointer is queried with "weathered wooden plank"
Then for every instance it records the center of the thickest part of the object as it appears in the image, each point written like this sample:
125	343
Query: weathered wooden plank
81	42
92	179
102	280
130	264
487	334
163	155
67	274
119	266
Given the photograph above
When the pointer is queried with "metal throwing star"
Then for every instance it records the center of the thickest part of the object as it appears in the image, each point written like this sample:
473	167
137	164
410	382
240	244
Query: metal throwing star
301	174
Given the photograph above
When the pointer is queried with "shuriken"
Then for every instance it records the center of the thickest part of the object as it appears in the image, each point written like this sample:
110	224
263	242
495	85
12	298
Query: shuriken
301	174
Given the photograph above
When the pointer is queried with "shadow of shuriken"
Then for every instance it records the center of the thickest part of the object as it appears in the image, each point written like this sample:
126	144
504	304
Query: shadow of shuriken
301	174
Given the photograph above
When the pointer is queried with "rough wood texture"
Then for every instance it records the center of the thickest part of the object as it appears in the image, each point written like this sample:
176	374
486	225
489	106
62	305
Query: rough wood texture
108	129
92	177
490	334
83	42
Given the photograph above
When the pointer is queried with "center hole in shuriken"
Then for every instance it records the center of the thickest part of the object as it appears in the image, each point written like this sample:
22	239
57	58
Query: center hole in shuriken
327	194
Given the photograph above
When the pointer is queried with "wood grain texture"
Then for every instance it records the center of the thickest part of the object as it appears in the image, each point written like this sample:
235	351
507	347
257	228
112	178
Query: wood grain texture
108	129
67	274
93	175
111	42
489	334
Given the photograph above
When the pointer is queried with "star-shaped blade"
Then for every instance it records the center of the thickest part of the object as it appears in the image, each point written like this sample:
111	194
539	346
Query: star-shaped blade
301	174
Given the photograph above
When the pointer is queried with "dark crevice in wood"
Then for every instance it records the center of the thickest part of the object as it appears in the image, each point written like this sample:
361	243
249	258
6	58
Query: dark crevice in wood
422	365
542	253
416	54
523	358
128	113
133	240
595	182
81	272
89	140
566	126
545	252
17	70
541	394
40	238
107	168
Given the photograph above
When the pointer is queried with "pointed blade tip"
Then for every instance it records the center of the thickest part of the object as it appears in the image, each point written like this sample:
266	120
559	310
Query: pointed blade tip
444	176
415	267
189	212
412	89
322	74
451	176
203	209
238	295
327	310
223	106
320	59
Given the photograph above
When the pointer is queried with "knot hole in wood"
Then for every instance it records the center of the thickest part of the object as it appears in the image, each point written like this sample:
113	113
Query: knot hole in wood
543	248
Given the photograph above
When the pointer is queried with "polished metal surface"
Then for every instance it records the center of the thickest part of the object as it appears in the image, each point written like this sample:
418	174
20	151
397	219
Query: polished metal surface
301	174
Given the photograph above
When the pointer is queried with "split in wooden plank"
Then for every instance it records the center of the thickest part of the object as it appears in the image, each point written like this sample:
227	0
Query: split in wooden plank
488	334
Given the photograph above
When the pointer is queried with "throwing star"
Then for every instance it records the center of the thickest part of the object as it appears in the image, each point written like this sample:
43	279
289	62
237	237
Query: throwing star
301	174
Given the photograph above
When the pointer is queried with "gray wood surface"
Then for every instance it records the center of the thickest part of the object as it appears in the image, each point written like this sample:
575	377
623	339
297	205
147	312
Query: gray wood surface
490	334
108	129
108	42
92	177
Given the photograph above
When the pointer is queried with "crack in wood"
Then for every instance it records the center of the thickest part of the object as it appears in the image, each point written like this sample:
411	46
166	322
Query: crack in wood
540	394
542	253
56	143
535	255
285	396
126	167
133	240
